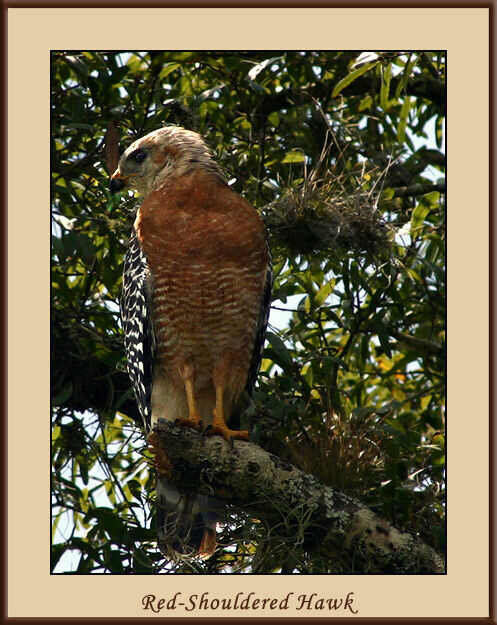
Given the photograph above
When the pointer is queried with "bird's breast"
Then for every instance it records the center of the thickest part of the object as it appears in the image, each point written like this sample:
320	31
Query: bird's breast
208	262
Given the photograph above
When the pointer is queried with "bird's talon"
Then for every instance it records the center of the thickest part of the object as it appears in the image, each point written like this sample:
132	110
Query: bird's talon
189	423
228	435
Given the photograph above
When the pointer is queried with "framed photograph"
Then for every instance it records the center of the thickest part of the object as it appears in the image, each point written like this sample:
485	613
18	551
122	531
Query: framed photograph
199	168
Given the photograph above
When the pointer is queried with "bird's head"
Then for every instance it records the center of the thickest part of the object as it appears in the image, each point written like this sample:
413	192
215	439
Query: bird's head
160	157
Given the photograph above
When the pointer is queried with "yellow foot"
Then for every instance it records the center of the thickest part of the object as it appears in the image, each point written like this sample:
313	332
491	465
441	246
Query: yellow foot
226	433
195	423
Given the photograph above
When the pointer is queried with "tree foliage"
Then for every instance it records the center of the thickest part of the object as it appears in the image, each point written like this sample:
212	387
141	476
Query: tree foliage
342	153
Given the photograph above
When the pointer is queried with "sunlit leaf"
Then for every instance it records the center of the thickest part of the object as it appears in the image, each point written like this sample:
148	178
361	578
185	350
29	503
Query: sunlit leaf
385	87
345	82
404	112
257	69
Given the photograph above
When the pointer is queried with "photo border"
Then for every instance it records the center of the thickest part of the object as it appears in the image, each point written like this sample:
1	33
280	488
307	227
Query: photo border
94	4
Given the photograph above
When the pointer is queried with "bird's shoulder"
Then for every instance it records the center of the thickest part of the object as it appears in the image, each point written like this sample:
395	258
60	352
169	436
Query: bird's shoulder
200	204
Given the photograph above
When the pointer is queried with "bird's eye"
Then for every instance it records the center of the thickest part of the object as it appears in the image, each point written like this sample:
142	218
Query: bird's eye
138	156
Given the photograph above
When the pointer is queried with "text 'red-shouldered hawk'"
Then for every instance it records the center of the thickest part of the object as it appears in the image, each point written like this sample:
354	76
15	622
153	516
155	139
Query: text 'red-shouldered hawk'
195	302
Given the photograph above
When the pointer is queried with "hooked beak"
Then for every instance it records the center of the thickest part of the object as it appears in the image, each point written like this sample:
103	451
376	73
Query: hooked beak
118	182
116	185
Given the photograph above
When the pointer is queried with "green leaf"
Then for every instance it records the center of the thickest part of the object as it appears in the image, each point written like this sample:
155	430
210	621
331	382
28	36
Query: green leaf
167	69
387	194
274	119
323	293
401	87
56	433
78	65
114	561
58	248
107	520
439	131
61	398
294	156
424	402
338	361
334	317
308	374
420	212
385	87
281	354
345	82
364	350
414	275
383	336
366	103
85	248
142	564
255	86
83	469
135	488
404	112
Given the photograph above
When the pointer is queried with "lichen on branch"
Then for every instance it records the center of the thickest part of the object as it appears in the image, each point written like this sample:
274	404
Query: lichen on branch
340	527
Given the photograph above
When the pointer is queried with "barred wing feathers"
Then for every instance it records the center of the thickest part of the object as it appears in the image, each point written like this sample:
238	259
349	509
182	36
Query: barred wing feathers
137	325
258	348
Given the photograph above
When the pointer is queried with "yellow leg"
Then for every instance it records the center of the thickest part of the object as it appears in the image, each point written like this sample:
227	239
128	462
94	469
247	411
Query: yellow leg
193	413
194	419
219	425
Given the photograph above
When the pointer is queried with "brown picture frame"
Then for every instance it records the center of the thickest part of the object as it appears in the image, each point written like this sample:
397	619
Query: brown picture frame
466	594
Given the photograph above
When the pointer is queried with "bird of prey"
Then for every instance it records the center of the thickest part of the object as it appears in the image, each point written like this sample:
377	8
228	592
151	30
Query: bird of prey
194	308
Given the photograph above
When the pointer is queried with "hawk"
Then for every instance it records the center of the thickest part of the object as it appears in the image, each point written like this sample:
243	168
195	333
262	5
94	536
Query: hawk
194	308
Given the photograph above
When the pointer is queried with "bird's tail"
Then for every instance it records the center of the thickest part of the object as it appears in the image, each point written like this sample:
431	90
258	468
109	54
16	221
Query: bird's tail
186	522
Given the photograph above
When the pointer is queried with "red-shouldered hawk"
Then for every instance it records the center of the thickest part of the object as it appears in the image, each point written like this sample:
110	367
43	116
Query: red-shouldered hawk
196	293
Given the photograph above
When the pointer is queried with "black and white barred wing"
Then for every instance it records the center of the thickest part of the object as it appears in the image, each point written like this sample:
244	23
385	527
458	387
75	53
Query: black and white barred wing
260	336
137	325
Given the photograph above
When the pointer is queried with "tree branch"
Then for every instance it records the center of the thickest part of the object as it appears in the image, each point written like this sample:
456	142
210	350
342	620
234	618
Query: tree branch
422	86
339	527
419	189
419	345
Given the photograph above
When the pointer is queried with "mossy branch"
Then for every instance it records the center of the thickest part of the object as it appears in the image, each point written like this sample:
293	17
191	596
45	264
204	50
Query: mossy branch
343	530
